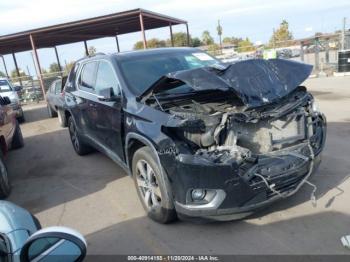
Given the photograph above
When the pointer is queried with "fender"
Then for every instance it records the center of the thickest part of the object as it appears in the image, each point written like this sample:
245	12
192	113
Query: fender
147	142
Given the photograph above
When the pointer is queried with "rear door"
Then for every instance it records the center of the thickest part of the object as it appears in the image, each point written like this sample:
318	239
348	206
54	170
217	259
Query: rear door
81	103
108	123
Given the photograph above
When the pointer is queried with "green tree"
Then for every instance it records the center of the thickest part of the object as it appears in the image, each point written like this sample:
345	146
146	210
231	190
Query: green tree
22	74
281	35
152	43
196	42
180	39
2	74
54	68
207	39
69	66
138	45
214	49
245	45
232	40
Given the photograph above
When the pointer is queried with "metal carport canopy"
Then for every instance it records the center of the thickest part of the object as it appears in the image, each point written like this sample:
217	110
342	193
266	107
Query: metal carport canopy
110	25
87	29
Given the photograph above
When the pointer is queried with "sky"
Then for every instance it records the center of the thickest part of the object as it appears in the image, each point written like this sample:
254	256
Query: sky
240	18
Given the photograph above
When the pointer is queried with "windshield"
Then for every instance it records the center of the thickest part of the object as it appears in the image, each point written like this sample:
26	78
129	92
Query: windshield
5	86
140	72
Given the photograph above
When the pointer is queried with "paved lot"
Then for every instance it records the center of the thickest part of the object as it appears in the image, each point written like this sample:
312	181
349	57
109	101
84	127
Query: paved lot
95	196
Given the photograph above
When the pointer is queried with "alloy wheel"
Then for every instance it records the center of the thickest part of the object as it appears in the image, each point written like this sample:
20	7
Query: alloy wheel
74	136
148	185
4	174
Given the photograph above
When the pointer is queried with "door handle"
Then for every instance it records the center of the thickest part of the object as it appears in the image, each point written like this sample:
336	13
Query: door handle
92	105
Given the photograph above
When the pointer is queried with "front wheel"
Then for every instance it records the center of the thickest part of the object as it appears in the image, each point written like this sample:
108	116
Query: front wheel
153	189
5	187
17	140
79	146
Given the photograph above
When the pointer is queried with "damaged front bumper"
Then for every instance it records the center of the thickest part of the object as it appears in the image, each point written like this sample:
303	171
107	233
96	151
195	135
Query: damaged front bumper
236	191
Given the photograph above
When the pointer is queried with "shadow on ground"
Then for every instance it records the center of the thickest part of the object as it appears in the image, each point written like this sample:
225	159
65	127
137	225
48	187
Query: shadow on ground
35	113
312	234
47	172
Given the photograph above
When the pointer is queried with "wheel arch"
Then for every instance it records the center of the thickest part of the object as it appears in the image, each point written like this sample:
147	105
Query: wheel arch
140	140
67	114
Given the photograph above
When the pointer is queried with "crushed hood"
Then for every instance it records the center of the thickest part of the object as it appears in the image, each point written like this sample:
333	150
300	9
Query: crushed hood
256	82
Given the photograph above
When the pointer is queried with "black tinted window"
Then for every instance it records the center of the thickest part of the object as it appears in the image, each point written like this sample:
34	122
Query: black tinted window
87	76
142	71
106	78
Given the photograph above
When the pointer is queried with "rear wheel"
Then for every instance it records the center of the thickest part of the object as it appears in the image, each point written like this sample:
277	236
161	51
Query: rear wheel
153	189
5	187
51	112
79	146
17	140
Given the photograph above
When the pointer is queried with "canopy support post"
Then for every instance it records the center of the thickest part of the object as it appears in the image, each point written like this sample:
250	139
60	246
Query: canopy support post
17	69
37	65
171	35
5	67
143	32
58	59
117	42
86	48
188	35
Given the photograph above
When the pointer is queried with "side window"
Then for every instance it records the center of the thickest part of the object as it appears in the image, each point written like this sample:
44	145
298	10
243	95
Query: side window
52	87
58	87
69	85
106	78
87	76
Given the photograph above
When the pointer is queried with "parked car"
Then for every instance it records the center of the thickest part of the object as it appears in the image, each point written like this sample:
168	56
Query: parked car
55	100
23	240
201	139
11	91
10	138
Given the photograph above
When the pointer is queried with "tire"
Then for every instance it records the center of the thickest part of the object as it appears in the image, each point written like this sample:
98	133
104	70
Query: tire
62	118
5	187
51	112
17	140
152	188
79	146
21	119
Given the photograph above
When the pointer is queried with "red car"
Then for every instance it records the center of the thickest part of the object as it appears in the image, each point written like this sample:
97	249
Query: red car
10	138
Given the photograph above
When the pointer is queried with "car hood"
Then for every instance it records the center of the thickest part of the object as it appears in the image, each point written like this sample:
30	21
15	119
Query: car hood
256	82
10	94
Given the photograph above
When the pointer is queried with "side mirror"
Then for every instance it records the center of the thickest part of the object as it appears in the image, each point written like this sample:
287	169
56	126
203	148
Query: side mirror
17	88
54	244
107	95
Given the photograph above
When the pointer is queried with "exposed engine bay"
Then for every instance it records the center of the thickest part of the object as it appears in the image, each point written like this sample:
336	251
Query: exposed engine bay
249	130
219	130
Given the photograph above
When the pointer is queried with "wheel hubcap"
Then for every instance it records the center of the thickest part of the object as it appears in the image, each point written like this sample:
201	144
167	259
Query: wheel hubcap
4	174
148	185
73	136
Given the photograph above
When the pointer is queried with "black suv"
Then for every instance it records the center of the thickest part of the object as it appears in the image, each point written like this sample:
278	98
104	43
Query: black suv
200	138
